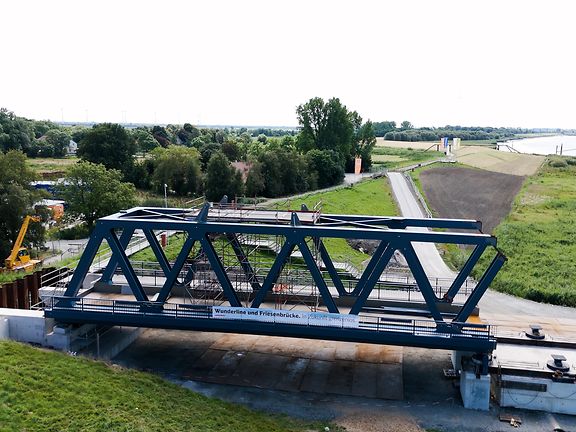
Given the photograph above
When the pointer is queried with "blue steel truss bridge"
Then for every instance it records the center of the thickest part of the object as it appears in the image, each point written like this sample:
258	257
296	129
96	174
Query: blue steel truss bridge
269	272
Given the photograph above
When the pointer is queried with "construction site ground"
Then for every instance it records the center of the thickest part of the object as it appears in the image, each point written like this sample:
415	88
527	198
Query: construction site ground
466	193
357	386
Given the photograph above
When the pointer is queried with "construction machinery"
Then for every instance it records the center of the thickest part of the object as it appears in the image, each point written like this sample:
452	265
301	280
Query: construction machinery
19	258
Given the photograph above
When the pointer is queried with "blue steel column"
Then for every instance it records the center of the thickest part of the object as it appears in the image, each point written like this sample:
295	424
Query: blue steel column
85	261
243	260
274	273
317	275
422	281
110	269
465	272
220	272
327	260
372	279
158	252
176	268
370	267
126	267
481	288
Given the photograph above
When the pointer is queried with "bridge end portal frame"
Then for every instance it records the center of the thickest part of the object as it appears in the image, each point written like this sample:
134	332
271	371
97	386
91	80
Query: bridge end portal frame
238	300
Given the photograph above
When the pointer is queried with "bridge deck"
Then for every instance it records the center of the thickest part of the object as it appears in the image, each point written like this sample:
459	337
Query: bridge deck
369	328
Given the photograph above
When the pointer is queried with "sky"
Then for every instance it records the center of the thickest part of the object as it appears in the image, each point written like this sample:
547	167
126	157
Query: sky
219	62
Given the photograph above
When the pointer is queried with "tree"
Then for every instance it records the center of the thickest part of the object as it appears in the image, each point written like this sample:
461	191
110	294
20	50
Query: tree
16	199
179	168
231	149
206	152
325	126
161	135
108	144
327	165
364	142
255	180
144	140
406	125
222	178
59	140
92	192
15	132
272	166
382	128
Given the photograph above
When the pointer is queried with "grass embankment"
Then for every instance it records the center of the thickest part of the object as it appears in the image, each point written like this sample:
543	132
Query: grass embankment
391	157
539	238
371	197
48	391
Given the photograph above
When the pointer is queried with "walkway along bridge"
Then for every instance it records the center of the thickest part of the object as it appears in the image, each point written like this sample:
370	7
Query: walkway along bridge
221	281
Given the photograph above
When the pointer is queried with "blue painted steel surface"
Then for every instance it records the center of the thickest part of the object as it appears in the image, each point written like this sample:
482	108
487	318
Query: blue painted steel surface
201	227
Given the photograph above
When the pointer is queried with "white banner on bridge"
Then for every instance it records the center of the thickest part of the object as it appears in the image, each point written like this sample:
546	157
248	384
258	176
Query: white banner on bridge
319	319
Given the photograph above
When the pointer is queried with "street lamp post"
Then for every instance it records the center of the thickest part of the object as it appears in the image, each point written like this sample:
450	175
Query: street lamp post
165	196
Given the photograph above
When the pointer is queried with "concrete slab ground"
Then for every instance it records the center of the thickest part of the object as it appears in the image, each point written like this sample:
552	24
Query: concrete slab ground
412	392
288	364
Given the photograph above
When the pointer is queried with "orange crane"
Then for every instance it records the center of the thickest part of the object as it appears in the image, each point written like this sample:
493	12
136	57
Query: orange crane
19	258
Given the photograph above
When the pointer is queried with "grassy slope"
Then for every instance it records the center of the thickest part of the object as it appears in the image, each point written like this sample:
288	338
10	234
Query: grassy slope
391	157
48	391
539	238
372	197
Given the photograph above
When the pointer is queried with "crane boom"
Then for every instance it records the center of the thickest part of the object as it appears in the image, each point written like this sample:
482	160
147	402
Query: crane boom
9	262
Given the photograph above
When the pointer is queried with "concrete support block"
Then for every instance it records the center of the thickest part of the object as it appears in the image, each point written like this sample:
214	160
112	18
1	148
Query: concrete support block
4	329
25	325
535	393
475	391
59	339
457	357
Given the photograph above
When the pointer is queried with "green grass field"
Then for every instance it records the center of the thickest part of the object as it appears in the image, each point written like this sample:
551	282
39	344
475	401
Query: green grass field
48	391
391	157
539	238
49	165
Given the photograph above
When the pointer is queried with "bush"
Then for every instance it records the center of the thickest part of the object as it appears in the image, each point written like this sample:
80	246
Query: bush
558	163
75	232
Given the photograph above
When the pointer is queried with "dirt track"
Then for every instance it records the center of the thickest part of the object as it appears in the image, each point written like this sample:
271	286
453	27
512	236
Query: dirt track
499	161
455	192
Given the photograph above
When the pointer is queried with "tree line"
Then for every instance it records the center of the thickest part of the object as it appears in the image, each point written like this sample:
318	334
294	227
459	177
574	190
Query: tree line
180	160
406	132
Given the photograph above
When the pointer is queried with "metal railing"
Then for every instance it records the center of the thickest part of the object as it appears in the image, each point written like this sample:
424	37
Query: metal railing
188	311
390	282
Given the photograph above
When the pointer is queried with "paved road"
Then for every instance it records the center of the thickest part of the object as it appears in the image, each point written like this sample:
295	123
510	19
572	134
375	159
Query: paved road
433	264
66	248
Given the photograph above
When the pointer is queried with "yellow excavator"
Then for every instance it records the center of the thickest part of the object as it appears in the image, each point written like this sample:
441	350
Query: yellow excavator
20	259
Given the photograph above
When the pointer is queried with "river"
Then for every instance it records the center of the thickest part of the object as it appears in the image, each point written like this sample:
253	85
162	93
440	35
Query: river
542	145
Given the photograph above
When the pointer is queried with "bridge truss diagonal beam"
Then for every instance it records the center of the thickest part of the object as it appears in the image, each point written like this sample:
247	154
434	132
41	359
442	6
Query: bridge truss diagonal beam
172	275
304	232
113	262
274	272
127	269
